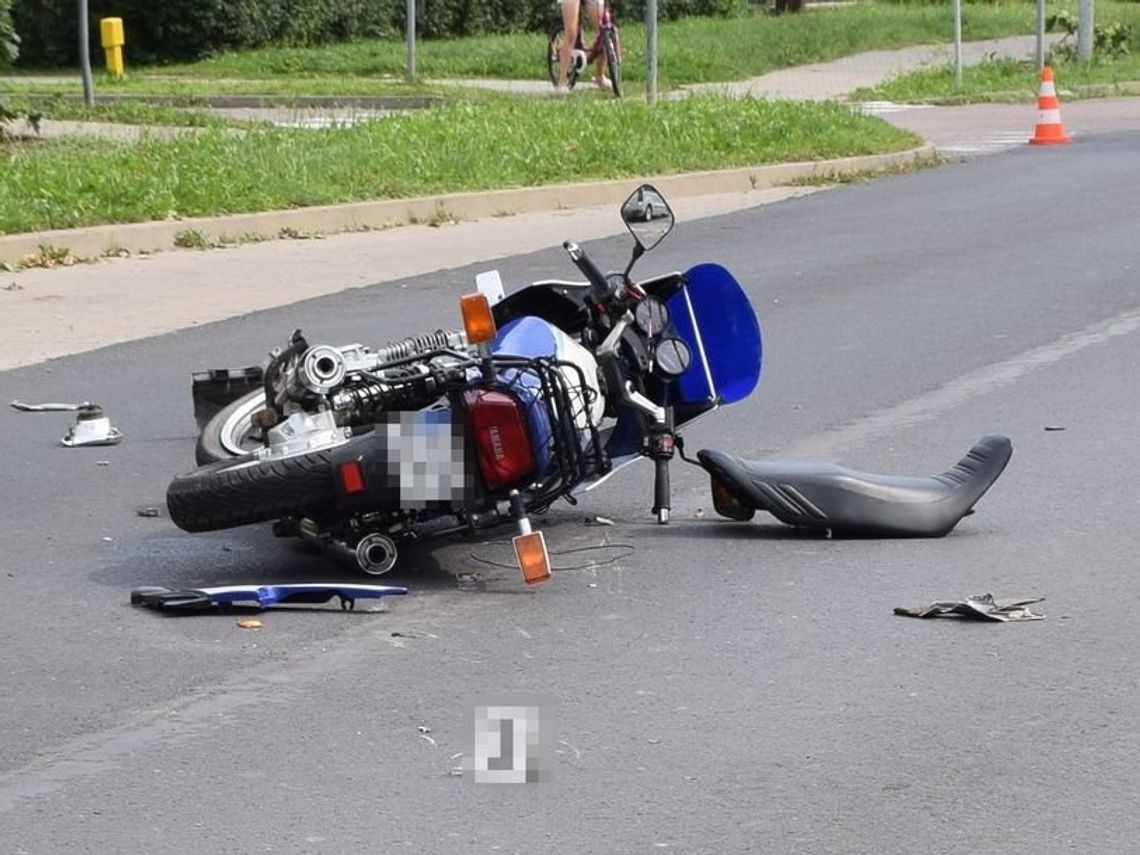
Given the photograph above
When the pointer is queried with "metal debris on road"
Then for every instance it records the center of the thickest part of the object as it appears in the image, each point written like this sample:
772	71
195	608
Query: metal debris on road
982	607
599	521
147	512
92	426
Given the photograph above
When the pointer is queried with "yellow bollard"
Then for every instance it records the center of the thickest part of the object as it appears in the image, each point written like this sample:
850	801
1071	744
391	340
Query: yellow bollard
111	35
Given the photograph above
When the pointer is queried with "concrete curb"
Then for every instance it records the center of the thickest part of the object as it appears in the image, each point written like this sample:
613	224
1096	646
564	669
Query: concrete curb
97	241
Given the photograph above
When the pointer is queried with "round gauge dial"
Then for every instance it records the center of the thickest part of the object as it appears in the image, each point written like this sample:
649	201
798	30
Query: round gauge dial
672	356
652	316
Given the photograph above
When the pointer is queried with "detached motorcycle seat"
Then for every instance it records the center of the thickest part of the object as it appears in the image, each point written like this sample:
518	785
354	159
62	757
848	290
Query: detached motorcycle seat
826	496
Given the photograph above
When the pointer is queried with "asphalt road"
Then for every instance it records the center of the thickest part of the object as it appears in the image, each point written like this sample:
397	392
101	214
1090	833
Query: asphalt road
975	129
708	687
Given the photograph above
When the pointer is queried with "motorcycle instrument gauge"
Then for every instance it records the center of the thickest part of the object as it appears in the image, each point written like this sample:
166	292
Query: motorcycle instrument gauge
672	356
652	316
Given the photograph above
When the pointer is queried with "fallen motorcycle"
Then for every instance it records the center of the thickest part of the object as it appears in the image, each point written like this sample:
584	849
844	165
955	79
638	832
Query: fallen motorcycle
545	393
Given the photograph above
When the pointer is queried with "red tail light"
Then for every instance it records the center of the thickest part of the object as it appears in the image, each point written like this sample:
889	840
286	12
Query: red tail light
498	422
352	477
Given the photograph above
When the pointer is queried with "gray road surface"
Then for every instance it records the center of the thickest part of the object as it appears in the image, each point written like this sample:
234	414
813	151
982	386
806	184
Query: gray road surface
712	687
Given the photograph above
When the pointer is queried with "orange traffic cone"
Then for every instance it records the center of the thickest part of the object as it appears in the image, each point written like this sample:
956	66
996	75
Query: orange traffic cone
1049	129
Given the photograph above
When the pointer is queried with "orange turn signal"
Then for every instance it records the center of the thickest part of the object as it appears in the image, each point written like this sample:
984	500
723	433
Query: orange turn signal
478	321
530	550
727	505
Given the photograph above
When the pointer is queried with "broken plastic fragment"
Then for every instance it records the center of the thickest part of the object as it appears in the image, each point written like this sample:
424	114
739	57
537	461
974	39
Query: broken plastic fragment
259	595
981	607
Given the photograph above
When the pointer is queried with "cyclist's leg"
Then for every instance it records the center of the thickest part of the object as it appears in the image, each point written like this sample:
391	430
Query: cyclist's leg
570	9
595	7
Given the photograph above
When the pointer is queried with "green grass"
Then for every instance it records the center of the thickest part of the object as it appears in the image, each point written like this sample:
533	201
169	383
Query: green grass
499	143
690	51
480	140
1006	79
131	113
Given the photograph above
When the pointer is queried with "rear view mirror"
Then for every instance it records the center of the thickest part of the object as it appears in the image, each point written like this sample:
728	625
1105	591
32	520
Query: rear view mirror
647	216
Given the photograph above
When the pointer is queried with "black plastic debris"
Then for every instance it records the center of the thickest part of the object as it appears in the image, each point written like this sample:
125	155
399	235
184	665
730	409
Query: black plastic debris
214	389
982	607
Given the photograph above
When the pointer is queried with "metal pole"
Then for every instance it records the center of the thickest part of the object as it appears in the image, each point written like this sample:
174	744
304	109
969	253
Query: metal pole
957	42
1085	31
410	66
651	51
85	56
1040	35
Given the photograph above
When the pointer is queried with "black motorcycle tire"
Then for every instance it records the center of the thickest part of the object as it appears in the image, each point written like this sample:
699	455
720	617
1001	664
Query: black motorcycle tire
240	491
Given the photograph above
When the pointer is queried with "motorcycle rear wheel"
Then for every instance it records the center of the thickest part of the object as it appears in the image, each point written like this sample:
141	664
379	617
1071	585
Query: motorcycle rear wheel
246	490
230	432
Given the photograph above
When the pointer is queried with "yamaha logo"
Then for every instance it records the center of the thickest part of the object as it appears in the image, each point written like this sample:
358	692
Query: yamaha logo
496	442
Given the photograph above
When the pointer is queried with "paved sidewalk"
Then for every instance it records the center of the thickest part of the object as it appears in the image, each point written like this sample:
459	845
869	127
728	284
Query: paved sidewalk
838	78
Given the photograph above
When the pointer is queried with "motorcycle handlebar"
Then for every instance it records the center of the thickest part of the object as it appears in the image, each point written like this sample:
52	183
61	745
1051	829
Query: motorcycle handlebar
601	287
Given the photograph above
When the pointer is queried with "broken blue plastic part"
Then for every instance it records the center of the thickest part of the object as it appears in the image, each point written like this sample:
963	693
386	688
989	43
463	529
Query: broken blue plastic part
260	595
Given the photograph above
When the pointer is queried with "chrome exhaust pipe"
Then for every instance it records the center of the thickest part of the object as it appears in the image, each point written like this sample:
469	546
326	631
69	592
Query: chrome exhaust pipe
375	554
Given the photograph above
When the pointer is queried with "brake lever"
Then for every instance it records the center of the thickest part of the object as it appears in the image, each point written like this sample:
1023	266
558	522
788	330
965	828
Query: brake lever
50	407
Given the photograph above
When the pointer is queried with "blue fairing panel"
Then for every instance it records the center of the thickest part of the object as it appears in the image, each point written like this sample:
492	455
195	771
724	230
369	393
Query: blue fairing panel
715	318
529	338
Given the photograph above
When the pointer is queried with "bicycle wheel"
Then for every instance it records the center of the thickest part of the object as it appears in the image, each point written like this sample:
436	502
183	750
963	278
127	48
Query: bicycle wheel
612	49
555	37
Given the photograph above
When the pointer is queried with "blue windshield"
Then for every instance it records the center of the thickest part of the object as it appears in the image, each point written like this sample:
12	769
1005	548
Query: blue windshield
715	318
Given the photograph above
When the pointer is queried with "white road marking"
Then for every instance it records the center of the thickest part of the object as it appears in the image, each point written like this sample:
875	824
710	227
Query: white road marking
924	408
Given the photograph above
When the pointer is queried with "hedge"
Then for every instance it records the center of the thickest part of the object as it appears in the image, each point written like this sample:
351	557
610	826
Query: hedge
181	30
9	41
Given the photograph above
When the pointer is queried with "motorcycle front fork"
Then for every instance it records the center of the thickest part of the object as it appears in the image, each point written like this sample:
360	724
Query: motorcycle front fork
659	447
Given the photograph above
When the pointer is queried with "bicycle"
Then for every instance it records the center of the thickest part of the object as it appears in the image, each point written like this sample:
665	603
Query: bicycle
607	42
